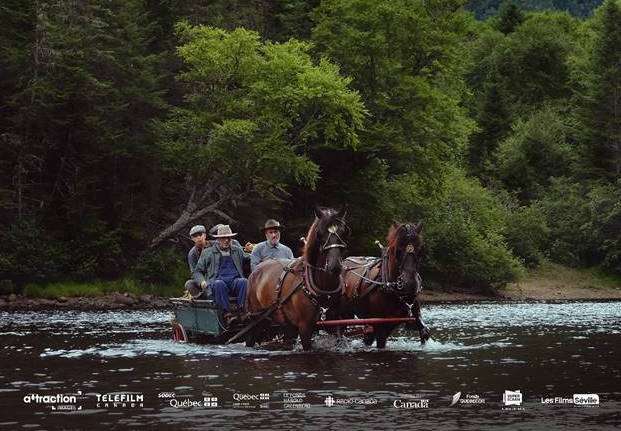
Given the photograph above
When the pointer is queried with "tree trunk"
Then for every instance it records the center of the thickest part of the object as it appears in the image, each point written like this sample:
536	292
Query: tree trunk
195	210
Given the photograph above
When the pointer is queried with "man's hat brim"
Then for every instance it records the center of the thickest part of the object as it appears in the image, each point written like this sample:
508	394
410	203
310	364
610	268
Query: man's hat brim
272	224
228	235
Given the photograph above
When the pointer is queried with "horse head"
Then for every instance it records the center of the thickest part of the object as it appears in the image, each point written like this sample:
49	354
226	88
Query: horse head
403	251
327	240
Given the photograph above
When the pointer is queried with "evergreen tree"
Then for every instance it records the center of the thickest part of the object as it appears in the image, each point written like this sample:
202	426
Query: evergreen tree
78	120
494	122
510	16
601	101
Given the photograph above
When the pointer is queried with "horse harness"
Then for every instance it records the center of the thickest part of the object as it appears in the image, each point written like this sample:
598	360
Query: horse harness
317	296
395	287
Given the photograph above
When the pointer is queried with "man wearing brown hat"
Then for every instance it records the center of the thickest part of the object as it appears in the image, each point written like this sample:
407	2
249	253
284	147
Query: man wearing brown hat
220	269
271	248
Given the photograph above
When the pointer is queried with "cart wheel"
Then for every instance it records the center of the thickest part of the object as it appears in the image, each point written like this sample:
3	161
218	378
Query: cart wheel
179	334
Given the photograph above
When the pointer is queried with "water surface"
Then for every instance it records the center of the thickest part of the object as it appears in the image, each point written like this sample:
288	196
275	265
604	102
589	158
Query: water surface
481	350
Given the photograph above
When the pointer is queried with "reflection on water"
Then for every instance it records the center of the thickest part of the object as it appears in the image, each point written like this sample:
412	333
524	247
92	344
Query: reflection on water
543	350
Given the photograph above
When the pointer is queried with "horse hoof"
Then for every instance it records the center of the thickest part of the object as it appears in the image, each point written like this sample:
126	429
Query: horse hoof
368	339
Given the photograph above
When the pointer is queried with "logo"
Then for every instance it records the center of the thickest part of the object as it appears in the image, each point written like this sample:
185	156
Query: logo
468	399
295	400
556	400
252	397
586	400
186	402
411	402
512	398
251	400
57	402
330	401
114	400
171	399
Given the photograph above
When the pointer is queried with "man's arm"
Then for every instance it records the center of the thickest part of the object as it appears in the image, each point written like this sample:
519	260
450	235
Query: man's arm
191	263
200	270
255	256
289	253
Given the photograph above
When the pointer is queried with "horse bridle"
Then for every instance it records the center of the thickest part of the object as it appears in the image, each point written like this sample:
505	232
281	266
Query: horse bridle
411	235
332	230
397	285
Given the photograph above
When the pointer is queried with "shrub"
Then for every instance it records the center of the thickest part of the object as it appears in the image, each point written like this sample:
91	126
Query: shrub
464	234
527	234
162	266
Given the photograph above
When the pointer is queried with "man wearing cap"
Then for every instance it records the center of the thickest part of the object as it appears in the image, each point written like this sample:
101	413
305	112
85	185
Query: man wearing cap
271	248
198	234
220	269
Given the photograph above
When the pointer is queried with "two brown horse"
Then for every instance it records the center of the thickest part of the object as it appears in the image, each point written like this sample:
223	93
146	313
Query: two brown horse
386	287
295	289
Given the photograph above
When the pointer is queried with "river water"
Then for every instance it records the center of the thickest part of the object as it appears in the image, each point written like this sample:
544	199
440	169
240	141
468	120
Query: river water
121	370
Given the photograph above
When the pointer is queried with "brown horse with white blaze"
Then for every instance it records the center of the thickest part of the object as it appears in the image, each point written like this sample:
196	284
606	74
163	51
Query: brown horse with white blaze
296	289
388	286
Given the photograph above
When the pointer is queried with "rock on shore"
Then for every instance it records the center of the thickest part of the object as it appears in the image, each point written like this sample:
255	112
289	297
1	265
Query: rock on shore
114	301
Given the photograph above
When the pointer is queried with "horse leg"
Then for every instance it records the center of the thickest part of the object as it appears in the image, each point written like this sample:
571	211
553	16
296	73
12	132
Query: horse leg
251	339
306	333
423	330
369	337
289	337
383	332
381	337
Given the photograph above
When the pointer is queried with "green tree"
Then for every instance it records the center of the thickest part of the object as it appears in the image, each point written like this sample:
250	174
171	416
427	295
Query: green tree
75	128
600	95
406	58
510	16
532	65
494	124
254	112
464	230
536	151
511	77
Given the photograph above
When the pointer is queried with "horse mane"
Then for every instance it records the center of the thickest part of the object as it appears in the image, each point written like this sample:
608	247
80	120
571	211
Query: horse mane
396	234
310	248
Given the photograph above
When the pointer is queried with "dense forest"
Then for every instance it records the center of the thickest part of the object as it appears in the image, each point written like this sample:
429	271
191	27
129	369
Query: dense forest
124	122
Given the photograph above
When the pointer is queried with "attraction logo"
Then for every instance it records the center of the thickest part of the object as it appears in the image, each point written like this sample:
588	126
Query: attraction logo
411	402
57	402
330	401
247	400
577	400
512	400
295	400
186	401
467	400
119	400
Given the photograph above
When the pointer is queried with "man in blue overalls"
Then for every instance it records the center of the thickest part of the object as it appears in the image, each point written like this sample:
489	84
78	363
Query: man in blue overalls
219	269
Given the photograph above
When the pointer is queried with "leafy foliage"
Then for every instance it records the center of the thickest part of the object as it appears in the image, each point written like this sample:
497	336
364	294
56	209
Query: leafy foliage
123	122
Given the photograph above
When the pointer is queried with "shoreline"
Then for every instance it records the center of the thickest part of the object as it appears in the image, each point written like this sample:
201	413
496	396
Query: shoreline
119	301
548	283
114	301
